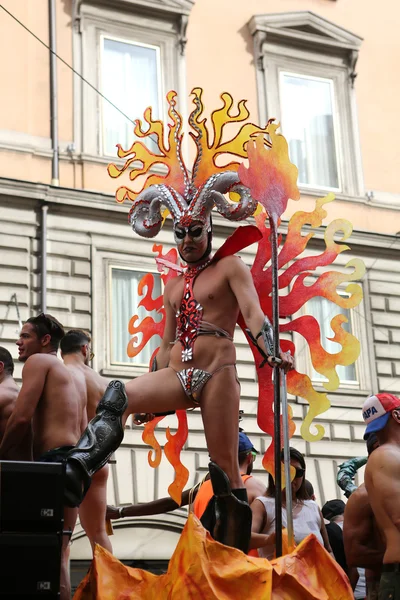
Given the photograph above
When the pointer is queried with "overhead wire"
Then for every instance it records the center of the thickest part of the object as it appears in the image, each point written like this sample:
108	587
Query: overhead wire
93	87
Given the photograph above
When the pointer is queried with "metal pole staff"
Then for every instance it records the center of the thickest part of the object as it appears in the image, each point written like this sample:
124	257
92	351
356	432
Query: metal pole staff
280	397
277	390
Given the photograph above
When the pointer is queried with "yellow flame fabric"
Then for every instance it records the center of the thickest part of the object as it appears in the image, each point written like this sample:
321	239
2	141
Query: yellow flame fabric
203	569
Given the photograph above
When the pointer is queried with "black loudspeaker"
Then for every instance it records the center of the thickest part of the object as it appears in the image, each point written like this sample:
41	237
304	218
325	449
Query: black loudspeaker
31	497
31	526
30	566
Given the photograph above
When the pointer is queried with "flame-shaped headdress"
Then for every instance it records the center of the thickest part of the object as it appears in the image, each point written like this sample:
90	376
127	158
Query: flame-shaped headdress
187	197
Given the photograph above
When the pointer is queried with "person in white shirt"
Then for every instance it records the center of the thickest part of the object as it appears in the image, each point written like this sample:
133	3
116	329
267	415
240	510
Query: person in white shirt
307	517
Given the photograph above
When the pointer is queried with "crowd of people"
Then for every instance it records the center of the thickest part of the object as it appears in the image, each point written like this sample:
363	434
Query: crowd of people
362	534
66	412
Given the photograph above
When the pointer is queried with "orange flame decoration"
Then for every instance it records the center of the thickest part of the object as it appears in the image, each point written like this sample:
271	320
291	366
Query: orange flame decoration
271	177
141	159
325	285
272	174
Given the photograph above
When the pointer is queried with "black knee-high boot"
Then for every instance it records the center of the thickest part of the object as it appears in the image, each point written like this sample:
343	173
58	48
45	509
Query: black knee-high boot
228	514
100	439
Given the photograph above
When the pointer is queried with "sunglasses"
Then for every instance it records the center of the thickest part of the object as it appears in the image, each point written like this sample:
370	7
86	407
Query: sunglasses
193	231
299	473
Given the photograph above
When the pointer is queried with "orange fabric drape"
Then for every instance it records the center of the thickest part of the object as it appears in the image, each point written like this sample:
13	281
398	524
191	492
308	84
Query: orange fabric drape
203	569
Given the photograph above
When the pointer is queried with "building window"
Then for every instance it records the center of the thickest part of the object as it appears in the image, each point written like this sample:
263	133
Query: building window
124	303
133	59
324	311
131	80
305	79
307	105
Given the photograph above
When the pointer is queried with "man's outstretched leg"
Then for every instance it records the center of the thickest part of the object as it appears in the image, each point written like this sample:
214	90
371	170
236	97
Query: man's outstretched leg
155	392
100	439
228	516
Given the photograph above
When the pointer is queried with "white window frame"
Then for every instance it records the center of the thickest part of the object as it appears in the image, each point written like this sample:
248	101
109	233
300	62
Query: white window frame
307	45
108	252
116	265
335	117
164	28
160	89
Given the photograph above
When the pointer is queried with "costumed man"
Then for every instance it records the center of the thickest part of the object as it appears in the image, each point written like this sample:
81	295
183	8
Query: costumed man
189	371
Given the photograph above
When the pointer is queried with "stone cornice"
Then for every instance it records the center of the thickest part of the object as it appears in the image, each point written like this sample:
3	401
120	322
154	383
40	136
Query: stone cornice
86	202
178	7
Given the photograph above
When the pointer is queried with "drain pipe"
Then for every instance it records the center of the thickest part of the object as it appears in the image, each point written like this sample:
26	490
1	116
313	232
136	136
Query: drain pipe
55	176
55	179
43	261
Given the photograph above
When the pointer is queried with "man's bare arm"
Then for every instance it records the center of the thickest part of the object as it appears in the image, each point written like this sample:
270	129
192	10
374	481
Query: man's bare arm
19	424
242	285
258	540
156	507
358	531
324	534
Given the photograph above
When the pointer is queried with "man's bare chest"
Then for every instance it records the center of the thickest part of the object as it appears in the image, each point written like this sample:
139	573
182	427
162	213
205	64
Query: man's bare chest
210	290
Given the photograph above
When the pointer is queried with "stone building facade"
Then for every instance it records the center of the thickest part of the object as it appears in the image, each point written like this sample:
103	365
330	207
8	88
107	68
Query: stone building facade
254	51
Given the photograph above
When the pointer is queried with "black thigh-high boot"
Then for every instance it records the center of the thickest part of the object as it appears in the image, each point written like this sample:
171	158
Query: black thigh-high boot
100	439
228	514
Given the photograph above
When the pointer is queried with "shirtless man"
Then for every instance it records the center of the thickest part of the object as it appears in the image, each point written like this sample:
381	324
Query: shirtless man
190	369
381	412
76	354
362	541
50	403
8	389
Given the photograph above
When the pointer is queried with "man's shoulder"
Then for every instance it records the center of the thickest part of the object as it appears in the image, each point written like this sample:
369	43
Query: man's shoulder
8	394
40	359
233	263
384	460
94	379
358	501
172	283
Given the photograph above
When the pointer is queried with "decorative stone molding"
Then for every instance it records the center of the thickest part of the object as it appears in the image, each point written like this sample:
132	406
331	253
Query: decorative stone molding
179	7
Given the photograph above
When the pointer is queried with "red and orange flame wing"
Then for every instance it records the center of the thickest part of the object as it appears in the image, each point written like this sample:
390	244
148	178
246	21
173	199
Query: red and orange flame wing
325	284
271	177
172	451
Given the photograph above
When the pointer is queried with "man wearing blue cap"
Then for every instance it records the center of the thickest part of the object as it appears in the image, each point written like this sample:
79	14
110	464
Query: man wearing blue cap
381	413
